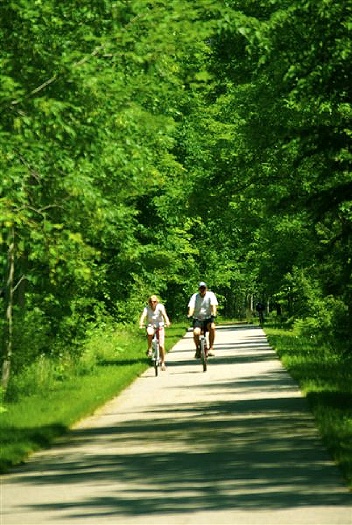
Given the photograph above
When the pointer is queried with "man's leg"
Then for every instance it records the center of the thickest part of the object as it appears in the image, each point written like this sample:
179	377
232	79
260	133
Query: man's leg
196	334
211	329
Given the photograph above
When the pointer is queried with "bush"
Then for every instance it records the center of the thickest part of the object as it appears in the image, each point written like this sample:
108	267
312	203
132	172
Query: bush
329	324
103	344
39	377
31	338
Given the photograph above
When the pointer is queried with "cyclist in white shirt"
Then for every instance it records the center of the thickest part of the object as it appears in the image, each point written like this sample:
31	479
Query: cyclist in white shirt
156	316
202	307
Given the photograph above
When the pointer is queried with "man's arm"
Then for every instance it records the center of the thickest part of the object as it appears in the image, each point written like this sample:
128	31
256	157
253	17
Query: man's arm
191	305
214	303
190	311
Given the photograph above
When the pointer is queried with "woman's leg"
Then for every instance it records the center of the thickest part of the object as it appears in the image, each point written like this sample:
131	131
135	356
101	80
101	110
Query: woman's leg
150	335
161	337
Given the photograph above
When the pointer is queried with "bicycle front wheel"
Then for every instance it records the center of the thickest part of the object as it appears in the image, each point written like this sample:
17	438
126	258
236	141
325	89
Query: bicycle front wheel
156	367
203	354
156	358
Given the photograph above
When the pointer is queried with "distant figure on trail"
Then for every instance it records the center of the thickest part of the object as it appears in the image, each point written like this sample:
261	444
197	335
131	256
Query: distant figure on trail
156	316
260	309
202	307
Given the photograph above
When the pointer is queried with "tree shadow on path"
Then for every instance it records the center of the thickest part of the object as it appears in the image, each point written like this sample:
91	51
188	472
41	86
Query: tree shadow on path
229	451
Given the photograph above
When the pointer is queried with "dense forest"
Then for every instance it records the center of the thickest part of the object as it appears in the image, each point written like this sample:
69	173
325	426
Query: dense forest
147	145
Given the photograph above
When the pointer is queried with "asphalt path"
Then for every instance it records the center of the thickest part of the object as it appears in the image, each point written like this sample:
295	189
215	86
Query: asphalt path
233	445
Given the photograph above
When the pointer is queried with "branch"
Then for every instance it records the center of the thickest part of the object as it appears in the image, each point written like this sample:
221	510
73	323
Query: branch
40	211
19	282
75	64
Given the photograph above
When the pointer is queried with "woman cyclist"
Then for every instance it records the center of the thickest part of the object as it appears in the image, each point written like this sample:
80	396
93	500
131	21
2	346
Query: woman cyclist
156	316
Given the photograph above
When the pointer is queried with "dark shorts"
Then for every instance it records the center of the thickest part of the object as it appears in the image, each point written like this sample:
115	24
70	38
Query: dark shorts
202	323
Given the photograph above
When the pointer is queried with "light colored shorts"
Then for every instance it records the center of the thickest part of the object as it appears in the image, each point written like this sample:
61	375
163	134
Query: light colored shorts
160	335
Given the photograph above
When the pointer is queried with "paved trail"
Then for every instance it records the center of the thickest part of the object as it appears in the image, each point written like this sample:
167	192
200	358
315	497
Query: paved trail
234	445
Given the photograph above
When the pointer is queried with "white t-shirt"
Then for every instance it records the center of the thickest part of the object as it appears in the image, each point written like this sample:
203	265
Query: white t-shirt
202	305
155	317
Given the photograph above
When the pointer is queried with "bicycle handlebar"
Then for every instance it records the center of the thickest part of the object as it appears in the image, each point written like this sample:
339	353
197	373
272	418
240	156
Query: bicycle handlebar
197	318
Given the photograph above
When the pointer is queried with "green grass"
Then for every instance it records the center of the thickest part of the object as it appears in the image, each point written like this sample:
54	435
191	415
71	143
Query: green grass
325	378
113	359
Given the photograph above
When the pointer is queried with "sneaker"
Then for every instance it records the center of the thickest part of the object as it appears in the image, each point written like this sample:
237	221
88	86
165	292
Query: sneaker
211	352
149	353
197	354
163	367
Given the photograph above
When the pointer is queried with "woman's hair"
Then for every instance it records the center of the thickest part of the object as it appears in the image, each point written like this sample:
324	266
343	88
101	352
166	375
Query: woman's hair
153	298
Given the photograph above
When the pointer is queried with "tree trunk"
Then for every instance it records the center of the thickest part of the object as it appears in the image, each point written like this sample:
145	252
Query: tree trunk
9	292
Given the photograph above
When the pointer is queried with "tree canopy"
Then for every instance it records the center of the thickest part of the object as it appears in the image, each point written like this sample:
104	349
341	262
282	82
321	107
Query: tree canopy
148	145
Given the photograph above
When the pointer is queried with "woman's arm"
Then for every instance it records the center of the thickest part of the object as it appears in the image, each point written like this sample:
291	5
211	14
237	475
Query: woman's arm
167	320
142	318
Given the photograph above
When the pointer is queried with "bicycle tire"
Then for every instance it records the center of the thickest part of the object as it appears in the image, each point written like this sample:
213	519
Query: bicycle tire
156	357
203	354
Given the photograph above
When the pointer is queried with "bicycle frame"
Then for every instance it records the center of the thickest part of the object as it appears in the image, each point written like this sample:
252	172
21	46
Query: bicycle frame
203	351
156	350
203	346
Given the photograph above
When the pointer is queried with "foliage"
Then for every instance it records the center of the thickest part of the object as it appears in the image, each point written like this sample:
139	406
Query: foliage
79	183
285	172
328	325
145	147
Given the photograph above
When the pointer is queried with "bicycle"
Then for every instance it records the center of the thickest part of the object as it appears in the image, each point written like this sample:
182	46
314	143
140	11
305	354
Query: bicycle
203	347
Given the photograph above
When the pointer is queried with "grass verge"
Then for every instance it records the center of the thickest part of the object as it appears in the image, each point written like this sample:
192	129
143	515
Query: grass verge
325	378
112	360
